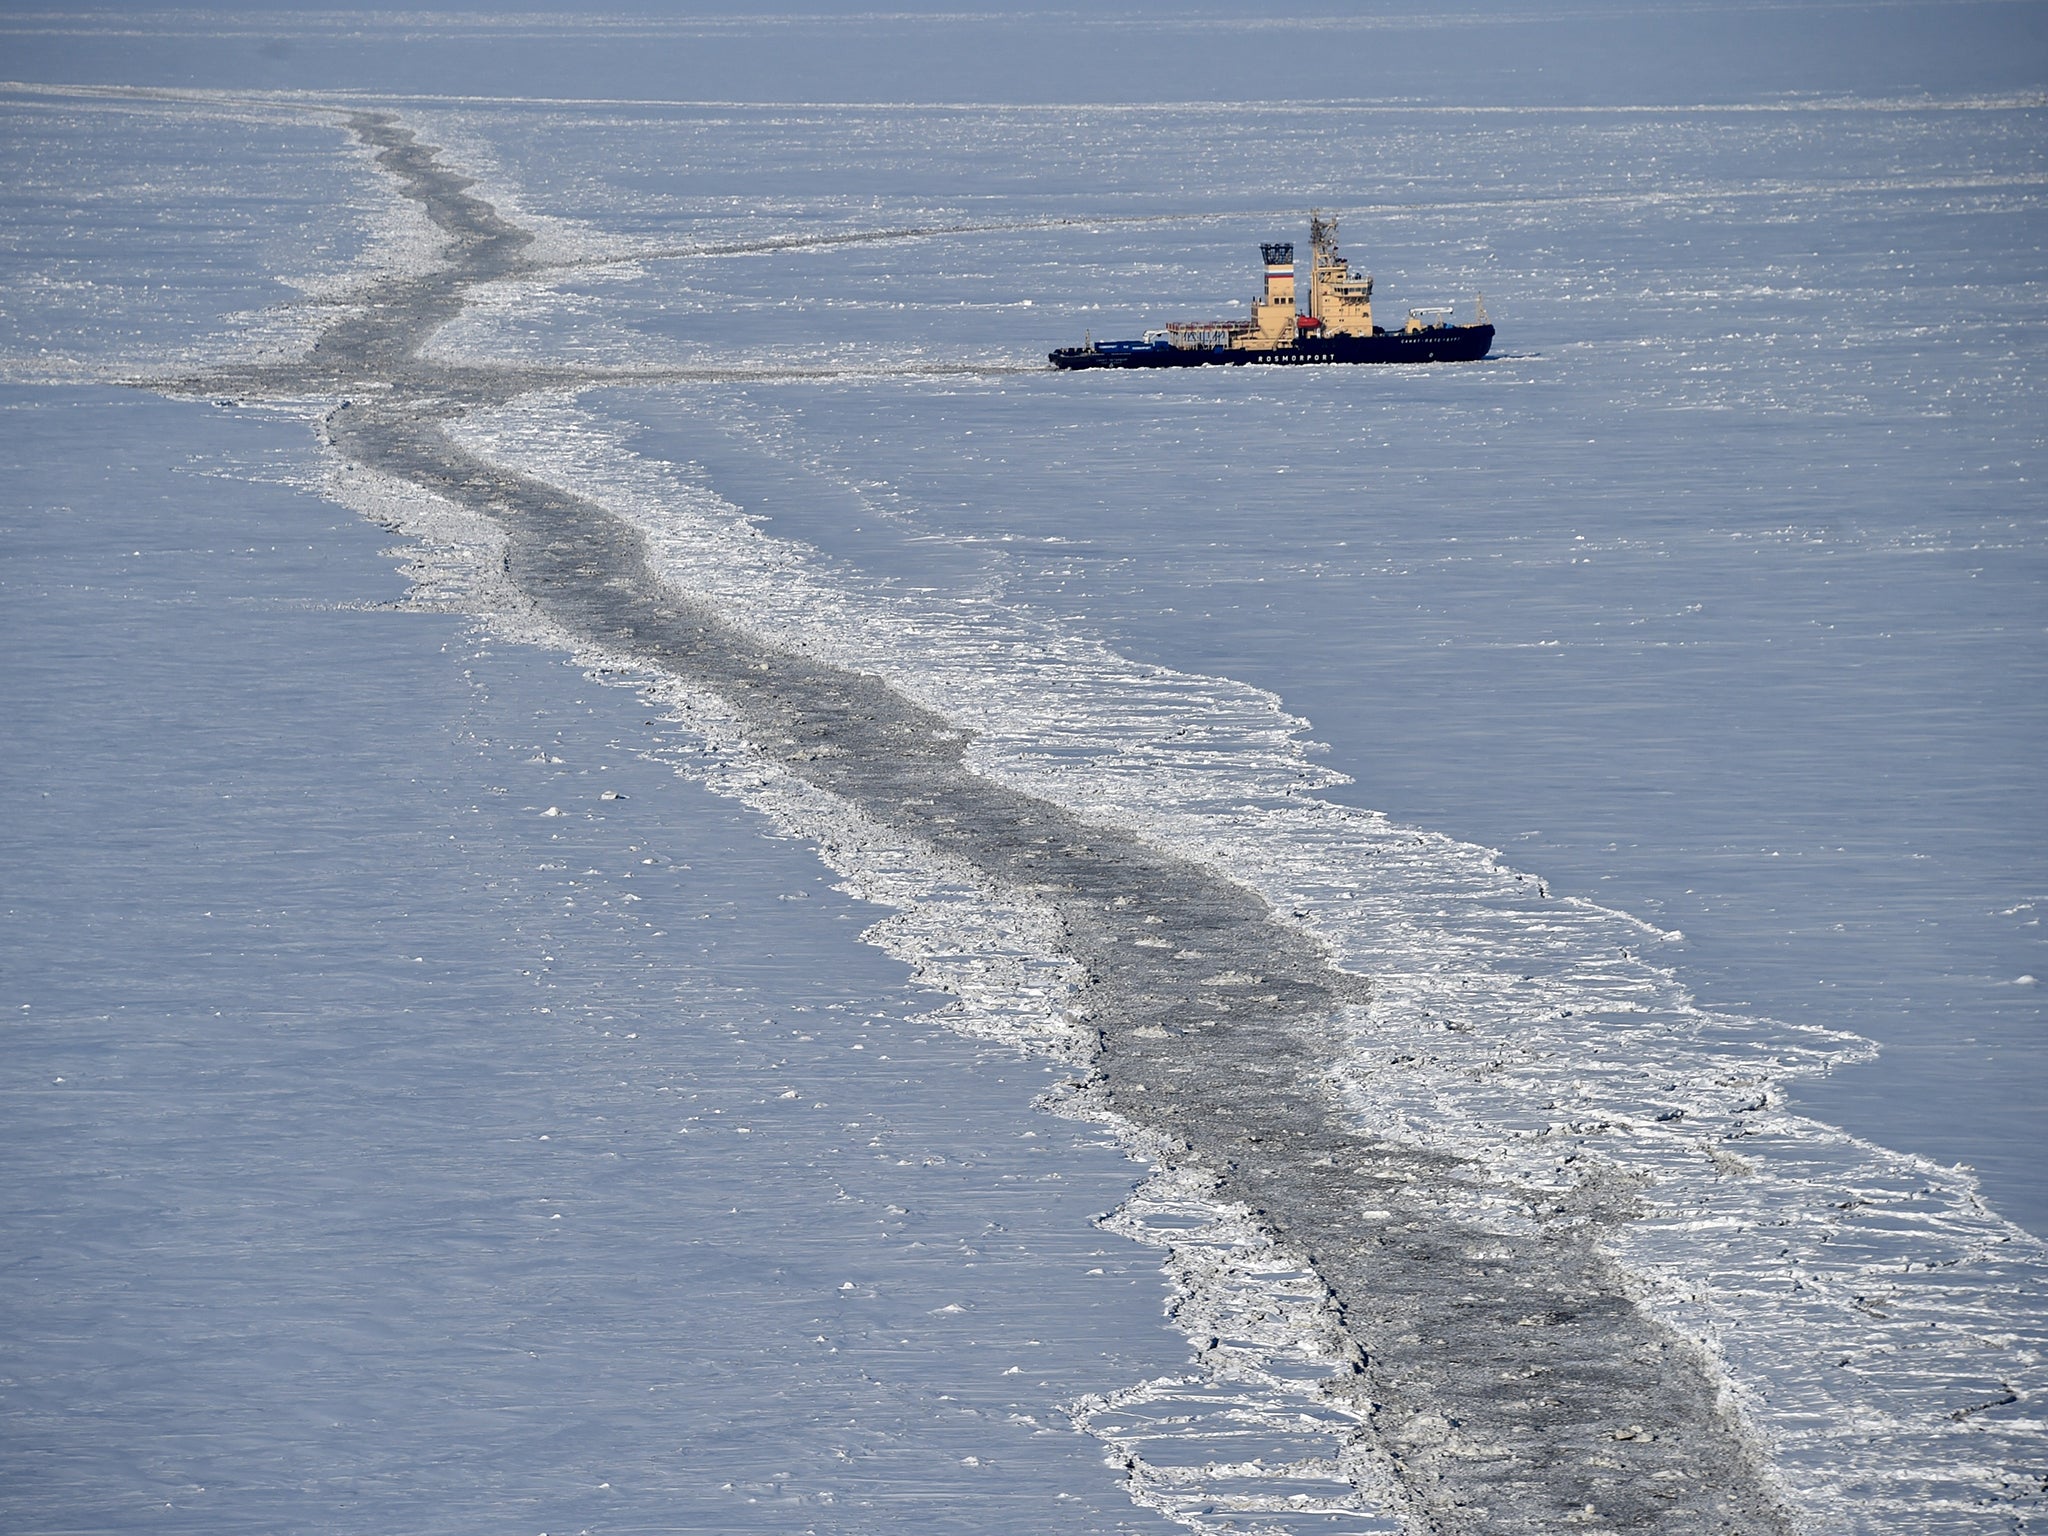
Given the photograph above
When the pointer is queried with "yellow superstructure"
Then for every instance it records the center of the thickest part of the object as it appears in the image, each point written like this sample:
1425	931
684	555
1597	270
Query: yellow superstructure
1273	312
1339	300
1337	296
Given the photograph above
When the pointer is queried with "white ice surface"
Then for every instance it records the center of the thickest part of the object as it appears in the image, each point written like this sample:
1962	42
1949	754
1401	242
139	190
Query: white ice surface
1871	1313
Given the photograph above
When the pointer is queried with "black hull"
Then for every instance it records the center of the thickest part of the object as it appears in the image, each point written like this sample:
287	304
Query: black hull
1441	344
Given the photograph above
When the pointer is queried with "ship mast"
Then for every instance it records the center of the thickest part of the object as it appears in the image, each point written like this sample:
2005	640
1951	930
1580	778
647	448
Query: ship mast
1337	296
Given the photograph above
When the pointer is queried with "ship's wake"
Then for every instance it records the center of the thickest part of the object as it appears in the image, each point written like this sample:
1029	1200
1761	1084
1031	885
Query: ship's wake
1476	1220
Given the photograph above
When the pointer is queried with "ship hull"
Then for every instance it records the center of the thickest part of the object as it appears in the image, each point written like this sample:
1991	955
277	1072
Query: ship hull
1439	344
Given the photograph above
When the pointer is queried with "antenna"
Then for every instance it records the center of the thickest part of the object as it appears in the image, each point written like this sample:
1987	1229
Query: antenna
1479	309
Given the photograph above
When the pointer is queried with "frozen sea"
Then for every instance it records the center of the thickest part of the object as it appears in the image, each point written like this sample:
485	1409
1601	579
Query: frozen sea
454	1084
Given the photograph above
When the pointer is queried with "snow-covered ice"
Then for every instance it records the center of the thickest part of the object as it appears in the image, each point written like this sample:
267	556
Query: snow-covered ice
449	1087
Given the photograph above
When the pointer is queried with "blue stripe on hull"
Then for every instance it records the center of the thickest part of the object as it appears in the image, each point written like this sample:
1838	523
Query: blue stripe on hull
1448	344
